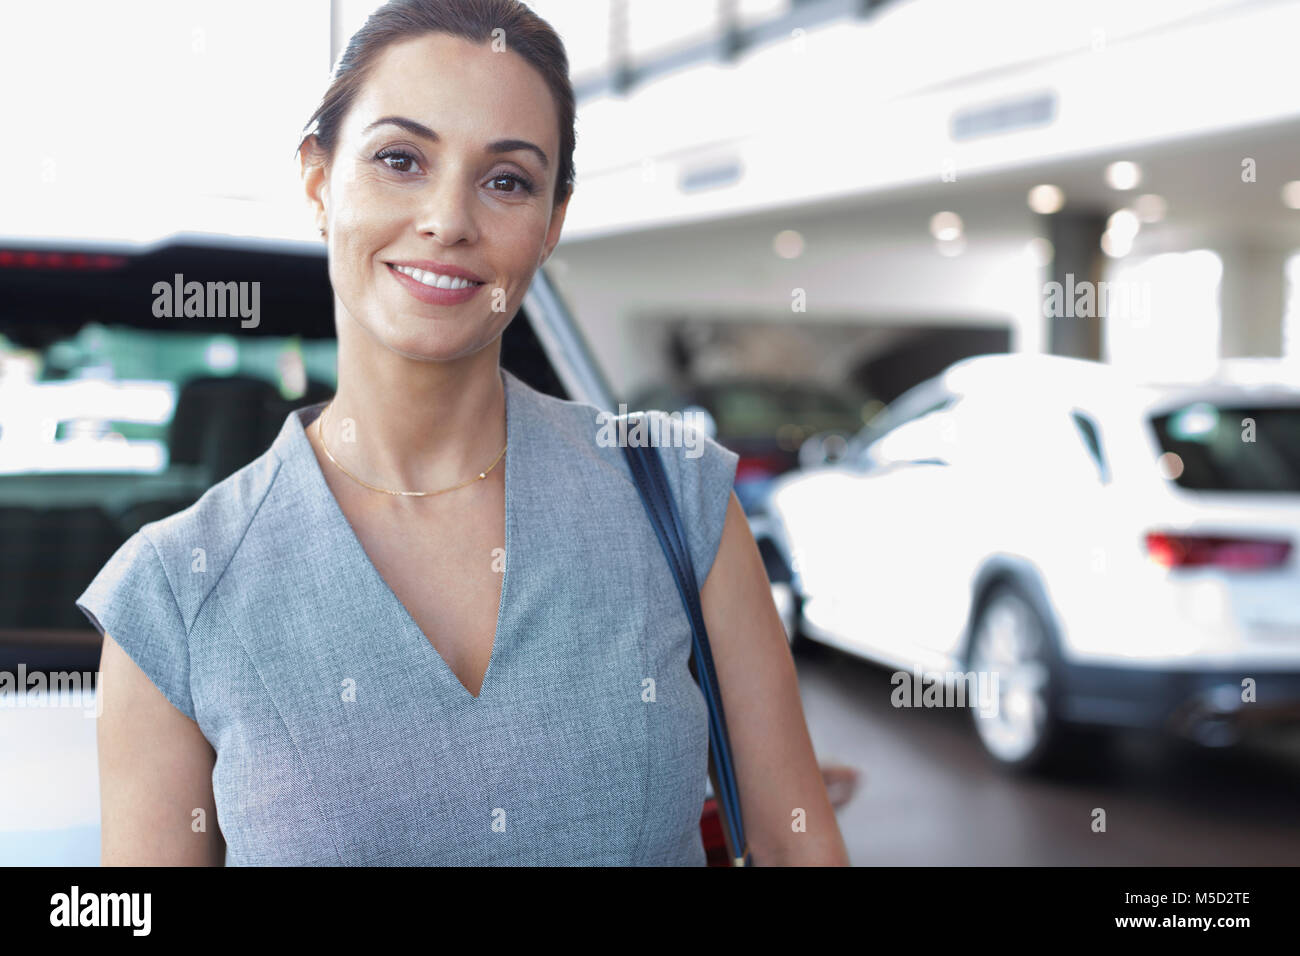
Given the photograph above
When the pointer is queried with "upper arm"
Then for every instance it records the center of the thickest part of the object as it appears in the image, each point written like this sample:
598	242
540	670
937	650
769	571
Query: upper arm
155	772
777	773
155	765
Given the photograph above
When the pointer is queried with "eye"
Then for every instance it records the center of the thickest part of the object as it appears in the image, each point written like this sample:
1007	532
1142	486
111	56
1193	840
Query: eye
519	181
398	155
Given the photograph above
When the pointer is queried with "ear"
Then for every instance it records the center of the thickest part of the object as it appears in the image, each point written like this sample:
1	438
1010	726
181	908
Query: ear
557	224
314	171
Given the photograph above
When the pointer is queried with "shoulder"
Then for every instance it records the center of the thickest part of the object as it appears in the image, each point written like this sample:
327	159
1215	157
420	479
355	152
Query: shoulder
148	595
579	427
203	537
547	422
700	471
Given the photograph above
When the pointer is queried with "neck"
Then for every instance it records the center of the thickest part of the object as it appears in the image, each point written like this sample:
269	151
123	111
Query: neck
417	425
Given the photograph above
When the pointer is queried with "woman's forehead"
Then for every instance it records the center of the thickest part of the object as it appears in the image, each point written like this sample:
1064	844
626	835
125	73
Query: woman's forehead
452	85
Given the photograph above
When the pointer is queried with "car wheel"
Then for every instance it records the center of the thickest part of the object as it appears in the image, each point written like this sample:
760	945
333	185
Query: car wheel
1011	639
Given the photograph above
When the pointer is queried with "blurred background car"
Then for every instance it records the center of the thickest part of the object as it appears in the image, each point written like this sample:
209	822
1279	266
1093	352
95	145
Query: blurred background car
1119	555
764	421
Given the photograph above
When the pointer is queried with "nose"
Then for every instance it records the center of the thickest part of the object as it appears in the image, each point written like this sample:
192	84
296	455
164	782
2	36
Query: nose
447	209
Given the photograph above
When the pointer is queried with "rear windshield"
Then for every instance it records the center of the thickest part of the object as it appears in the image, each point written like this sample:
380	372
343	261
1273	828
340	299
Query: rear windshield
110	428
1232	447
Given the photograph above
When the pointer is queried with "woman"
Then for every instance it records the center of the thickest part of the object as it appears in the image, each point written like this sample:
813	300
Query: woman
313	666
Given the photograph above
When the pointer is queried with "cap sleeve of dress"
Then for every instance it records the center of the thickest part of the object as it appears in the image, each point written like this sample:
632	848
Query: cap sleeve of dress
132	601
701	472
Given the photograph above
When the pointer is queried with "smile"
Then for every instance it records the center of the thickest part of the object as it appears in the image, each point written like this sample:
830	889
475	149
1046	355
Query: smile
432	279
432	288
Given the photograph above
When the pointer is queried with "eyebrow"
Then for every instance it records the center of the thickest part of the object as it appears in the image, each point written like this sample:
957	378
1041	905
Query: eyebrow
499	146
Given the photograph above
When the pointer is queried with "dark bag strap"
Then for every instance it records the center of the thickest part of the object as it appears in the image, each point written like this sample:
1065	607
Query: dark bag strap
656	495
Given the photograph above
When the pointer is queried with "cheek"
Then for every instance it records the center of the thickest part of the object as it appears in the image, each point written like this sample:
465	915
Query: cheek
363	204
521	245
362	212
361	232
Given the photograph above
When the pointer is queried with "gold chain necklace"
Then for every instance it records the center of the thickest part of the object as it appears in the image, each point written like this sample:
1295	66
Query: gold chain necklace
320	433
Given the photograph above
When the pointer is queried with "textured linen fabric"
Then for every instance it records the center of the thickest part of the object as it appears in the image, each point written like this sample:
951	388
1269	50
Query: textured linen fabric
343	738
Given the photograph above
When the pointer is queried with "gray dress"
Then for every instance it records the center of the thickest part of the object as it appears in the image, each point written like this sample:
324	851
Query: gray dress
341	735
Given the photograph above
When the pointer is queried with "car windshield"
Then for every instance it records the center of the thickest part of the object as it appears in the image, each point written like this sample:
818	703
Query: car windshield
1220	447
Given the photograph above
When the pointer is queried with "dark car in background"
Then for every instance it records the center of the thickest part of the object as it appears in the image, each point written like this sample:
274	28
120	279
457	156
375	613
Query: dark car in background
766	422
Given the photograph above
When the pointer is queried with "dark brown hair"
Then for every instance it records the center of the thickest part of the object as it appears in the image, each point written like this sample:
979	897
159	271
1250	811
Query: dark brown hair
524	32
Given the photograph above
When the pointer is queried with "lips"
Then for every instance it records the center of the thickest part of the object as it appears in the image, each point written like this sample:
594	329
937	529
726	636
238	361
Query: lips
432	295
442	268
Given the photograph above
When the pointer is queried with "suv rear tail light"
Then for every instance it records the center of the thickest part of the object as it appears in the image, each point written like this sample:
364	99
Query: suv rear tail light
30	259
1201	551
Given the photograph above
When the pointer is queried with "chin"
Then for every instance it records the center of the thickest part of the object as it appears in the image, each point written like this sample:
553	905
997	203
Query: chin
431	341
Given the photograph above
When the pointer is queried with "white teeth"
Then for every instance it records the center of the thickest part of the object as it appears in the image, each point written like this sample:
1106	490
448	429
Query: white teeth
434	279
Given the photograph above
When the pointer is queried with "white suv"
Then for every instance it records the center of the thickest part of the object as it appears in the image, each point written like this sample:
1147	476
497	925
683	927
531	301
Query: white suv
1117	554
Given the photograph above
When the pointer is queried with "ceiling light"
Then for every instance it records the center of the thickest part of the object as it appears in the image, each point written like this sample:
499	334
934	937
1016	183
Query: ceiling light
1046	199
1123	175
788	244
945	225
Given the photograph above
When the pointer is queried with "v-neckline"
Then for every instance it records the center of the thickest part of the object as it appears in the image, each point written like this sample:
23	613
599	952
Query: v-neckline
359	554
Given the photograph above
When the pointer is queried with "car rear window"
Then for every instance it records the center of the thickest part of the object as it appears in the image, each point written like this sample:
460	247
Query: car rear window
1220	447
111	427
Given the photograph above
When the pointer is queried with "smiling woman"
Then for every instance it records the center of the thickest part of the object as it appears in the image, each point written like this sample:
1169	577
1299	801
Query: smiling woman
432	624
